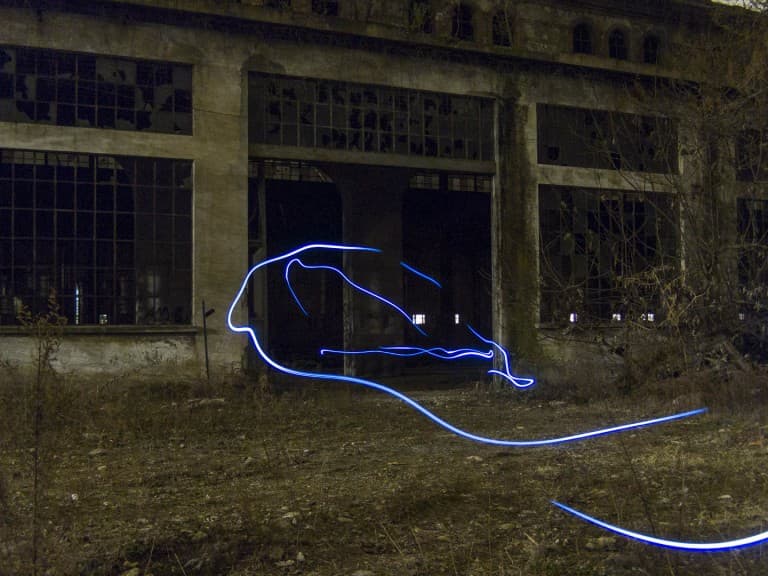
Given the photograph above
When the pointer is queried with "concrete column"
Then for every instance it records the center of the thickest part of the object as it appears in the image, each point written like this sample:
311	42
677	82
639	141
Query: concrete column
514	235
709	222
372	200
220	208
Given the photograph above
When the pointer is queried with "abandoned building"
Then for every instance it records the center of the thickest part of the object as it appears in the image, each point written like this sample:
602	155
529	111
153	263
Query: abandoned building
152	151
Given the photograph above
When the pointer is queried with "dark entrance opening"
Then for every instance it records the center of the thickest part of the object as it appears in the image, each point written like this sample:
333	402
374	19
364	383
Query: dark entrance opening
447	235
292	204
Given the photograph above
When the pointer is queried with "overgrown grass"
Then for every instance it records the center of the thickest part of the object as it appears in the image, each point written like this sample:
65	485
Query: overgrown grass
186	478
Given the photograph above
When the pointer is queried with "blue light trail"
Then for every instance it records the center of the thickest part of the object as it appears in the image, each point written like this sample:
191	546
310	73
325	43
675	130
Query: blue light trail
399	395
443	354
349	281
727	545
407	352
411	351
419	273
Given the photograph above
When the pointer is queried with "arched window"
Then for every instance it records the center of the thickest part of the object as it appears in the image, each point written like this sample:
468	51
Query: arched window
617	45
582	39
461	23
651	49
502	28
420	16
325	7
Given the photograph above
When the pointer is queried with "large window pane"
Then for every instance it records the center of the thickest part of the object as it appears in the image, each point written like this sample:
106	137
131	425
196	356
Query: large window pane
113	253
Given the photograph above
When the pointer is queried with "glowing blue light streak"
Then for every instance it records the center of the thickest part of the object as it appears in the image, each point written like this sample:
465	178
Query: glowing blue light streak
411	351
406	399
349	281
753	540
443	354
507	374
419	273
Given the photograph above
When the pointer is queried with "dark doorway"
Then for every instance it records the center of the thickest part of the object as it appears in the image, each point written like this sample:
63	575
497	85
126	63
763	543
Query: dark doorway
299	207
447	235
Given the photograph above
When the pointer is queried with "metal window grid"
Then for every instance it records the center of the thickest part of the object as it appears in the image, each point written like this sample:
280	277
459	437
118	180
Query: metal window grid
582	39
111	234
88	90
587	138
617	45
502	24
599	246
753	242
366	118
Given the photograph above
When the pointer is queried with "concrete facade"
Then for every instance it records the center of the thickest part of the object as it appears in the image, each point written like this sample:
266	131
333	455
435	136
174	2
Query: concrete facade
225	42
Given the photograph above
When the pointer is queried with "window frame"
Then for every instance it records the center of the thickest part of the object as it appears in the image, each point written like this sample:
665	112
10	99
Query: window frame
618	44
325	7
462	22
78	89
421	16
655	50
582	37
501	28
591	239
94	228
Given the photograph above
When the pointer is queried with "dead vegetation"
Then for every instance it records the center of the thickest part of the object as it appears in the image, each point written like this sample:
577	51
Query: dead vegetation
183	478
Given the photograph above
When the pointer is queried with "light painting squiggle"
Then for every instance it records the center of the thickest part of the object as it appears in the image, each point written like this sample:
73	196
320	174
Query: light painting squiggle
413	351
443	354
348	281
753	540
421	274
290	257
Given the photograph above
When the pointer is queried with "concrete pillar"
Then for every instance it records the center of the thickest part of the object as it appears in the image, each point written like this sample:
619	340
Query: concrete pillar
709	224
514	235
220	208
372	200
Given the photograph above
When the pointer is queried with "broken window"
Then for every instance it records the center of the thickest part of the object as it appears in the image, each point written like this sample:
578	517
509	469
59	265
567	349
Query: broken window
617	45
753	247
67	89
279	4
603	252
325	7
502	28
365	118
651	49
607	140
290	170
461	22
451	182
420	16
111	234
752	155
582	39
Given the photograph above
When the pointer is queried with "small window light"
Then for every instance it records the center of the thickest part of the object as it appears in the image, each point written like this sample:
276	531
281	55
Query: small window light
742	316
616	317
649	317
456	319
573	317
77	303
419	319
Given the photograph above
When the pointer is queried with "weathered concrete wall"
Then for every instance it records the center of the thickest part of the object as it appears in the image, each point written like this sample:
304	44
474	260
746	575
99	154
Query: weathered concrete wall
89	357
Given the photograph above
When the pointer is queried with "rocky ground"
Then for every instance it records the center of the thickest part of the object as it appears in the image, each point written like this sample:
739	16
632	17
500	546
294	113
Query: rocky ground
186	479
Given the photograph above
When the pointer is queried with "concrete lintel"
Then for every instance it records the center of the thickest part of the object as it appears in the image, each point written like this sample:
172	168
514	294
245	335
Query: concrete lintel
113	330
43	137
606	179
317	155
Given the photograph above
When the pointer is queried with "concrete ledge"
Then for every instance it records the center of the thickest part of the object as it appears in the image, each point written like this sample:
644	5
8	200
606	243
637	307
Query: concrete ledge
111	330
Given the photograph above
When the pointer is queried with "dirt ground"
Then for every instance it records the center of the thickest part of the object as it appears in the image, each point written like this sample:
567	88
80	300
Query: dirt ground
182	478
